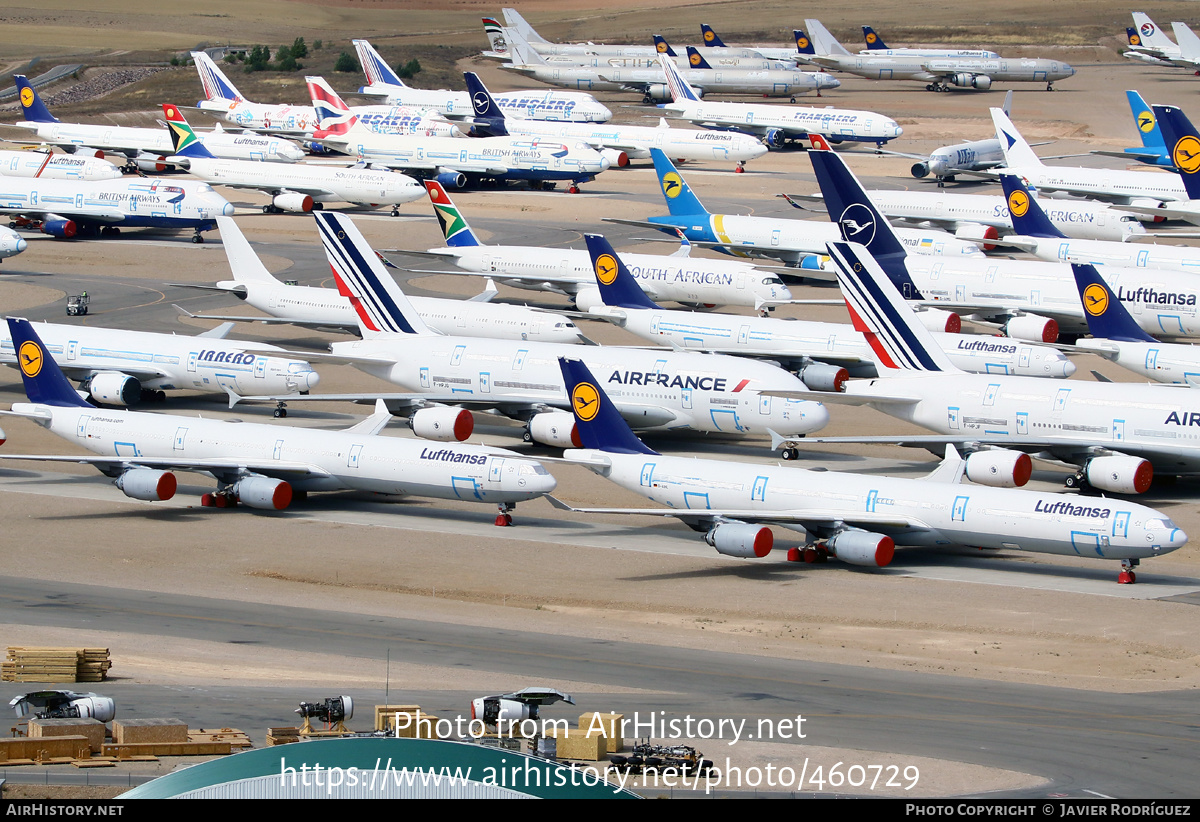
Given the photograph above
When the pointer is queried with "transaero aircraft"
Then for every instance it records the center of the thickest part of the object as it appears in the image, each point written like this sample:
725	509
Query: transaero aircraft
858	519
66	208
381	119
56	166
824	355
145	147
939	73
1115	336
619	143
776	124
1118	434
325	308
535	104
793	241
540	162
118	367
262	466
1032	300
295	187
569	272
654	389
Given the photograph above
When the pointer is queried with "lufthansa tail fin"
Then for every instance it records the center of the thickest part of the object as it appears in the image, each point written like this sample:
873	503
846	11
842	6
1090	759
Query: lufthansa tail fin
184	140
696	59
874	41
881	315
663	46
618	287
1106	317
1183	146
681	202
1017	151
378	72
803	43
377	299
44	381
599	424
488	116
455	229
1026	214
216	84
710	37
32	107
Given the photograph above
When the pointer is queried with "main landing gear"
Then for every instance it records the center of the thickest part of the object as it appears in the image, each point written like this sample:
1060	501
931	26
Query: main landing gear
197	237
1127	576
504	518
740	168
280	409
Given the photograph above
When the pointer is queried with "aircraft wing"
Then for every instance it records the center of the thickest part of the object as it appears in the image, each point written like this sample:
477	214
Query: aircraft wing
218	468
1129	154
241	318
834	398
111	218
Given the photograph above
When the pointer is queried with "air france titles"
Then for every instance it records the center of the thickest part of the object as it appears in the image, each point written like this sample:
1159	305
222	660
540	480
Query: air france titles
661	380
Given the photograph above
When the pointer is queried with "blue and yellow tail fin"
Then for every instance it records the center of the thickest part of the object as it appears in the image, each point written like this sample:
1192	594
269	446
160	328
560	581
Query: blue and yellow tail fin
1106	317
681	202
44	381
710	37
1183	146
696	59
663	47
803	43
599	424
618	287
1027	216
32	107
873	40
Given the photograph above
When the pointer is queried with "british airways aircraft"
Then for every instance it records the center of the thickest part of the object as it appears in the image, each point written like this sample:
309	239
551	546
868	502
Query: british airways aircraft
858	519
264	466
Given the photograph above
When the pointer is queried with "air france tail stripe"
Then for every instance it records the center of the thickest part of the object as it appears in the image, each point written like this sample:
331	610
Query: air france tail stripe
362	277
349	281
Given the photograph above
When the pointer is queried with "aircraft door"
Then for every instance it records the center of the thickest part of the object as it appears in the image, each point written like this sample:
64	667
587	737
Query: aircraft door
1120	526
519	359
424	377
1024	359
192	357
354	457
1143	258
647	475
1151	358
1022	422
989	396
485	382
1118	430
260	367
79	200
180	439
72	349
495	469
456	357
278	449
959	513
759	492
952	417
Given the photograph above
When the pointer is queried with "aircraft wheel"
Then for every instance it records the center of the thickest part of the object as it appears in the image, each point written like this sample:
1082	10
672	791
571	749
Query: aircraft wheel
786	453
1126	578
266	209
793	98
197	239
527	437
574	189
395	212
929	87
1074	481
739	170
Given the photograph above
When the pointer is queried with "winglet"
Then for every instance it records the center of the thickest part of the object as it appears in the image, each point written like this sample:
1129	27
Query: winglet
597	420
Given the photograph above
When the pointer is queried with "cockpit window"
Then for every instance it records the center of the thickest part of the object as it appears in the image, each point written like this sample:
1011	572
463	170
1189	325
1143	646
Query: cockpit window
1160	524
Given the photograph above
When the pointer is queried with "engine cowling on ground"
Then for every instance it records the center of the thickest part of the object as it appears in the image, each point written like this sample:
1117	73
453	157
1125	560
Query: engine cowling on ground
862	548
999	468
1032	328
821	376
938	319
740	539
148	484
442	424
555	428
1120	474
112	388
979	233
263	492
293	201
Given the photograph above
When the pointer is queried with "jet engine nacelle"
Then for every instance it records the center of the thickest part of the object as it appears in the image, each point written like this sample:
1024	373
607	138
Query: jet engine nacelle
60	227
452	179
774	138
589	299
3	437
148	483
151	163
740	539
494	709
1119	474
293	201
91	706
616	159
442	424
920	169
975	232
263	492
1145	202
84	151
999	468
821	376
661	92
938	319
979	81
1032	328
113	388
862	548
555	428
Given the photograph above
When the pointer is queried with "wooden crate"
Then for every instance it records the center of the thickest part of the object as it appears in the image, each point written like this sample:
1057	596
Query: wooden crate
93	729
45	749
135	731
572	743
134	750
609	726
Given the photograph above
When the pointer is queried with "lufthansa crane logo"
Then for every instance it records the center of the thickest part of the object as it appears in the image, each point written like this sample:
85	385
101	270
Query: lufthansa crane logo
1145	122
695	59
480	101
1134	40
585	399
662	48
27	97
672	185
801	42
708	36
1095	299
857	224
871	38
1018	203
606	269
30	359
1186	155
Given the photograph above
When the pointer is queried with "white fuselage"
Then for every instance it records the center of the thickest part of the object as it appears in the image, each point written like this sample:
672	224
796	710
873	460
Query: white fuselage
11	243
169	361
1158	361
342	459
952	513
929	69
1115	185
636	141
1129	255
834	124
982	54
464	318
157	141
133	202
767	82
652	389
323	183
302	120
60	166
571	107
829	342
1076	218
970	156
697	281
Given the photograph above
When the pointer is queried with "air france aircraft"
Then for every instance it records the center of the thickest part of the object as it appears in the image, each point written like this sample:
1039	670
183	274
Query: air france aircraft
824	355
857	518
145	147
53	166
877	48
293	187
535	104
542	163
569	272
263	466
789	240
776	124
325	308
939	73
122	368
618	143
655	389
1031	300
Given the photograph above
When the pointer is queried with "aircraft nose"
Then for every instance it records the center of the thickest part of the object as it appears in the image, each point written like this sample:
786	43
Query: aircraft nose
783	291
1068	367
311	380
21	244
605	114
604	163
227	209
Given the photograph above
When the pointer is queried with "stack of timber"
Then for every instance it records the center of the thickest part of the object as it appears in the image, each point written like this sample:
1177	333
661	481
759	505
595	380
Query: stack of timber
31	664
